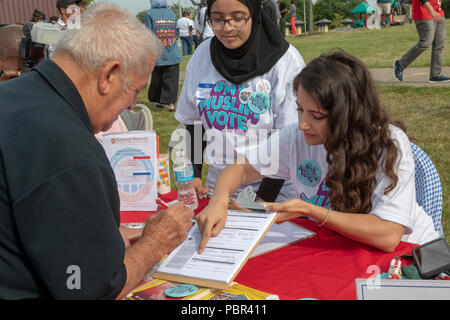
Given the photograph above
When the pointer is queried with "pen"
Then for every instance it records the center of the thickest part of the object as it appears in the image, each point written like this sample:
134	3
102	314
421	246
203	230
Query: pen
162	203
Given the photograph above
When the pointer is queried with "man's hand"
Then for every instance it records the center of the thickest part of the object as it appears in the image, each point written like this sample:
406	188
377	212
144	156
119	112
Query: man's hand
163	232
129	234
169	228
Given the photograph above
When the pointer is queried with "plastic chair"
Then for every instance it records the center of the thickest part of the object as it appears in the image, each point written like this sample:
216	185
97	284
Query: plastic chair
428	187
140	118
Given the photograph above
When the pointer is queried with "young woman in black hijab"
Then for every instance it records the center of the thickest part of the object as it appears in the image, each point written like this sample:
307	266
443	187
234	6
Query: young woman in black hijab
238	87
257	55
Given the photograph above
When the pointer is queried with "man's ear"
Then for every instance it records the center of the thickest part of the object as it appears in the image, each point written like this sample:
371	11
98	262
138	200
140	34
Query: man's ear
108	75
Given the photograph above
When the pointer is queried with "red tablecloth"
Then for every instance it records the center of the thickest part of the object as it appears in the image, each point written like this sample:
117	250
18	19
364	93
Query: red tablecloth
141	216
322	267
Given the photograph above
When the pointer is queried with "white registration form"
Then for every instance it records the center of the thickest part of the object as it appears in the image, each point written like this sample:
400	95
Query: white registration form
223	256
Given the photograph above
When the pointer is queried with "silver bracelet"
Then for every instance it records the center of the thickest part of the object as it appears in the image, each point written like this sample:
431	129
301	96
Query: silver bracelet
326	218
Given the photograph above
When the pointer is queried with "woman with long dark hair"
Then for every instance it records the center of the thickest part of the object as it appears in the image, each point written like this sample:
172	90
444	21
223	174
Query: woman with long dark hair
352	169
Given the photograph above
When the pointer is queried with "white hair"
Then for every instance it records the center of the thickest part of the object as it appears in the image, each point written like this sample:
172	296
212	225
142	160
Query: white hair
108	33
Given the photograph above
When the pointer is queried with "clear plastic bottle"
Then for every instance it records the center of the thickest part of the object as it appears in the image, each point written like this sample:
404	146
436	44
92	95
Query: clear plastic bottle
184	179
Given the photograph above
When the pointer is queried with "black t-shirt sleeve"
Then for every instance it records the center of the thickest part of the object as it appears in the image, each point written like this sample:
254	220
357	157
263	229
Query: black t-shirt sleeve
68	226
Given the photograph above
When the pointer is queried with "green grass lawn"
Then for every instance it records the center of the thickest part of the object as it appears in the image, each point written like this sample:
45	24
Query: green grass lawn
426	113
377	48
424	110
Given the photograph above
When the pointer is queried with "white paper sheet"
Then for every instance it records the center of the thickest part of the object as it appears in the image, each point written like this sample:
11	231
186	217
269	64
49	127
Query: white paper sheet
224	254
280	235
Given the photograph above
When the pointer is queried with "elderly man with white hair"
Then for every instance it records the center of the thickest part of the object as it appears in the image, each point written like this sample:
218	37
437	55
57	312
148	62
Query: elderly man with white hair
59	206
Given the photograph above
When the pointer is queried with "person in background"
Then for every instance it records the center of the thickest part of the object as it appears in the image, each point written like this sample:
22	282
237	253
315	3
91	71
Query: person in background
202	28
432	30
83	6
11	63
185	27
60	229
38	16
385	8
283	10
353	171
247	60
408	10
270	9
277	11
53	19
293	17
165	77
195	38
66	10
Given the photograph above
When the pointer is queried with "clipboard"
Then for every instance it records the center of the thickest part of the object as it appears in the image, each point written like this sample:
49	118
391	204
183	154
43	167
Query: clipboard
224	256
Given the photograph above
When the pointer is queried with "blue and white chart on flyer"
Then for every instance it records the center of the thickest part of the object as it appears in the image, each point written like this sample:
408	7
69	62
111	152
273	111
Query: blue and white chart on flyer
133	158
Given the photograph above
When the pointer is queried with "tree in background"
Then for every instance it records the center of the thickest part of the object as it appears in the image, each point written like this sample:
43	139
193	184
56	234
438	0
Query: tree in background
176	9
337	21
326	9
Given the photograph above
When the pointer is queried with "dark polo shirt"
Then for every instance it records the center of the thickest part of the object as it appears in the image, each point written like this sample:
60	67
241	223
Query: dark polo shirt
59	205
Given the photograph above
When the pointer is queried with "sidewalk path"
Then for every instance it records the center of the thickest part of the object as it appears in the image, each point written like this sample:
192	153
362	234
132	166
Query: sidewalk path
417	77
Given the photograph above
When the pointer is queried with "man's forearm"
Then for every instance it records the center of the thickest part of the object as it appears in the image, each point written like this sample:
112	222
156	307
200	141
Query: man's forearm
163	232
139	259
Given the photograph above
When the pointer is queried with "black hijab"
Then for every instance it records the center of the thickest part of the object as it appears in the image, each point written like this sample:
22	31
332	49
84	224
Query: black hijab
257	55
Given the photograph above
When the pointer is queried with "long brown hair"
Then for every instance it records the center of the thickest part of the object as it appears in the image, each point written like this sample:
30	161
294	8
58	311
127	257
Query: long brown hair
358	127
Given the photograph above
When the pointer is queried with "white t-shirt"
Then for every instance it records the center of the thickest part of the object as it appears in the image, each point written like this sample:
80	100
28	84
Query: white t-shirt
306	167
200	22
183	25
230	124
